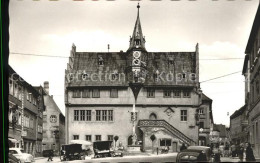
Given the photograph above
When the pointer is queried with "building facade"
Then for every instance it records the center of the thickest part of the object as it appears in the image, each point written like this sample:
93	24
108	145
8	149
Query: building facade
134	95
205	120
53	123
24	114
253	52
238	126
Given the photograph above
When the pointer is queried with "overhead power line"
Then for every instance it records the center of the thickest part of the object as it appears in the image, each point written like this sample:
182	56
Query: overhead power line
221	76
55	56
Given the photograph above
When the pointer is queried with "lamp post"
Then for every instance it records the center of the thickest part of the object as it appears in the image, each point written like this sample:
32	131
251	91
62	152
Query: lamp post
136	87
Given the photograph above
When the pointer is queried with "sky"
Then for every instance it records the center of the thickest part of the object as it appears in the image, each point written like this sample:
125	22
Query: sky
50	28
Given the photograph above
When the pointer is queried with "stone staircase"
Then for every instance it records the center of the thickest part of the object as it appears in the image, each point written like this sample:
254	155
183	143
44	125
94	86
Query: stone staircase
167	126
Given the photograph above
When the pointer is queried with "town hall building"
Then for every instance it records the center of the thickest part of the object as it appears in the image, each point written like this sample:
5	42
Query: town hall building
136	95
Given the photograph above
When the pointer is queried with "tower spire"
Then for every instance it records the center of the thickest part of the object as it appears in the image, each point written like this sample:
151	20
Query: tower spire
137	40
138	6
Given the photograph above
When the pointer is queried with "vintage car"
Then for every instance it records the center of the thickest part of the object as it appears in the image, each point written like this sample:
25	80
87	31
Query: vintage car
195	154
103	149
23	157
72	152
13	159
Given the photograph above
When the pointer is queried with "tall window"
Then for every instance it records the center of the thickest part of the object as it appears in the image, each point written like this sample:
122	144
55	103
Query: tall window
76	115
98	115
110	137
31	123
76	94
11	86
114	93
104	115
186	94
177	93
75	137
88	115
183	115
16	90
88	138
201	111
110	115
20	93
82	115
86	93
167	93
96	93
26	121
150	93
98	137
201	125
53	118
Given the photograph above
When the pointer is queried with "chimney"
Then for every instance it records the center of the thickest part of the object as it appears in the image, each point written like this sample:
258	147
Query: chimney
46	87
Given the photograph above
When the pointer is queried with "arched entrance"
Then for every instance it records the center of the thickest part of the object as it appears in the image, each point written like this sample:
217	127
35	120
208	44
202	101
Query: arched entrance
130	140
153	116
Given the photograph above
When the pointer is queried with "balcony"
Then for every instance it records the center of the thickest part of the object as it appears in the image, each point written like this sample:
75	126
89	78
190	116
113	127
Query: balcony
167	126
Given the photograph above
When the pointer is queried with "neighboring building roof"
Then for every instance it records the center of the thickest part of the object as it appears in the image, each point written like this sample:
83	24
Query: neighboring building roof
221	128
253	32
205	98
49	99
23	82
238	112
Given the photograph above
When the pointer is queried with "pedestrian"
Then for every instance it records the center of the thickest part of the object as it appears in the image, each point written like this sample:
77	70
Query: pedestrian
226	149
183	147
216	152
241	152
50	155
233	150
249	153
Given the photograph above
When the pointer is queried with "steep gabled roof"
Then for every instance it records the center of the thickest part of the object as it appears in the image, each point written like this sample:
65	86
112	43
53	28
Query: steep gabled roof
238	112
205	98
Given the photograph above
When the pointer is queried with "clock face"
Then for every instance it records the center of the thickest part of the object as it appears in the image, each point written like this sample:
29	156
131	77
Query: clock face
136	62
136	54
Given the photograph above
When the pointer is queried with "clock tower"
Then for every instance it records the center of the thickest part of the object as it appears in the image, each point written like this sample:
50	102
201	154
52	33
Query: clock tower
137	54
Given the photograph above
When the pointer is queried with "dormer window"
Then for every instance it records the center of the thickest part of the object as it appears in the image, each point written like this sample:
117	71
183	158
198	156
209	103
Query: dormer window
84	76
100	60
156	75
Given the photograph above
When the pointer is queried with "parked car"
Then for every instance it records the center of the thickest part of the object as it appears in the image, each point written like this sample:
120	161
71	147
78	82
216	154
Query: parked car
195	154
103	149
23	157
72	152
13	159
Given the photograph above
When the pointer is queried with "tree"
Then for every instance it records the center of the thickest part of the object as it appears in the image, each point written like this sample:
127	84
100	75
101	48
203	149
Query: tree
152	138
116	139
